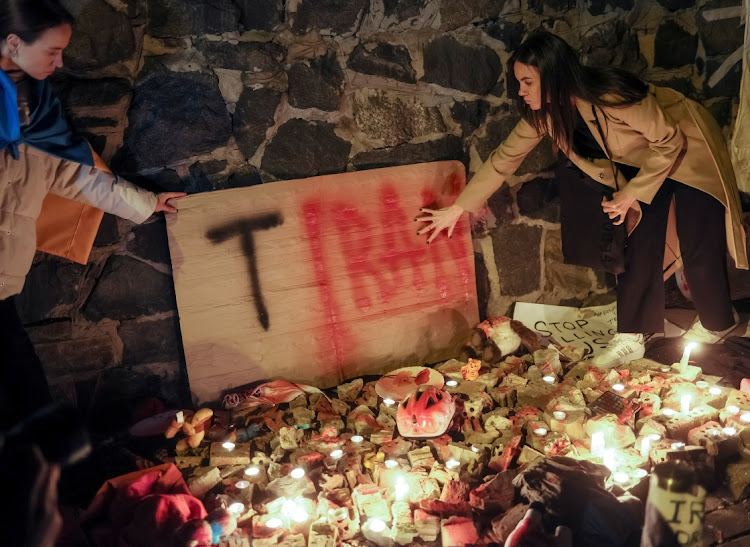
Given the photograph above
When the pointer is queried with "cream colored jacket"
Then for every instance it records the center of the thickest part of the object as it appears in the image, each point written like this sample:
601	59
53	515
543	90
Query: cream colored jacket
666	135
23	185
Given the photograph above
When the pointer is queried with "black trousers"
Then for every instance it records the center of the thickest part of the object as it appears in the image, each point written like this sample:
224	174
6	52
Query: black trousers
700	227
23	384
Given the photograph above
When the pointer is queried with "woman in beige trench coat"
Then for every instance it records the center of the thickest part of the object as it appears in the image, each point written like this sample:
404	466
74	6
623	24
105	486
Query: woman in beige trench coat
661	147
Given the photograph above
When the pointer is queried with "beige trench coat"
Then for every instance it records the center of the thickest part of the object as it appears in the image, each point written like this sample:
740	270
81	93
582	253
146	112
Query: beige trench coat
666	135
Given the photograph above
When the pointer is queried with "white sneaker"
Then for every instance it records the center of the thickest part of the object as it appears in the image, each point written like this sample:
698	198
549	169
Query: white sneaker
699	333
623	348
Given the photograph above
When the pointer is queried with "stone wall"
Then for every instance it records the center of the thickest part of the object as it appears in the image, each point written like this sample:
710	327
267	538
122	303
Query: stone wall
200	95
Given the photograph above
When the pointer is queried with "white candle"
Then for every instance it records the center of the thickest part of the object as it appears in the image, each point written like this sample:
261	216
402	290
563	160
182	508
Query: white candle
640	473
336	454
686	356
618	387
274	522
297	473
745	418
376	525
452	464
180	417
299	515
729	431
715	391
252	471
668	412
401	489
549	379
357	438
391	464
645	446
559	415
228	446
621	477
685	403
389	402
241	485
733	410
597	443
236	508
451	383
540	431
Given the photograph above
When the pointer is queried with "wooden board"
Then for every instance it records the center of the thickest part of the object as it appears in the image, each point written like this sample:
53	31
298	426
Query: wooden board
320	280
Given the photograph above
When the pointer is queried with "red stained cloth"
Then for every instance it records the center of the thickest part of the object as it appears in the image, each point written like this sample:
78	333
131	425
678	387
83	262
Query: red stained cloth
141	509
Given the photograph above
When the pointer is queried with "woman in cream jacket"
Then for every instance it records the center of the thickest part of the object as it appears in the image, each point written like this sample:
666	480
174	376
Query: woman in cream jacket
672	149
39	154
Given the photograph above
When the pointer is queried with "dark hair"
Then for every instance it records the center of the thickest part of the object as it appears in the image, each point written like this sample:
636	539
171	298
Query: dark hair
28	19
563	77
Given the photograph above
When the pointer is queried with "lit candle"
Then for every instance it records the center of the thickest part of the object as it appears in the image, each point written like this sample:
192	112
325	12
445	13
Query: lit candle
476	449
640	473
376	525
401	489
452	464
690	346
559	415
236	508
745	418
336	454
733	410
621	477
618	387
597	443
357	438
549	379
685	403
451	383
678	446
297	473
645	446
668	412
241	485
701	384
715	391
252	471
540	431
665	369
390	464
729	431
228	446
274	523
389	402
608	459
299	514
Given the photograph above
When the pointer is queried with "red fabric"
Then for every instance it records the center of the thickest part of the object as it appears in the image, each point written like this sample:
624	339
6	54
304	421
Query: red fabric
141	509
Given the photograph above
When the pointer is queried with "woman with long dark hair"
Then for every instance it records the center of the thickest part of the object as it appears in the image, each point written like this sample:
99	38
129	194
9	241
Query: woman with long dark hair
39	154
651	144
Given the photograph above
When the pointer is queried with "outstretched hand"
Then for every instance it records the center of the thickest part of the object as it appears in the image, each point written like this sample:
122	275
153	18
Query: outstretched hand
439	220
617	207
162	201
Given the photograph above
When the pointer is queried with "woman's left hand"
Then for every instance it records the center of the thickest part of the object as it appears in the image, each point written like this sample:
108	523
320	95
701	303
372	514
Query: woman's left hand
163	199
618	207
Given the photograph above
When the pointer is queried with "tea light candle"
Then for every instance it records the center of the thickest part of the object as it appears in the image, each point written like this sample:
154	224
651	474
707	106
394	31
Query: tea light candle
733	410
686	356
389	402
449	383
252	471
745	418
645	447
715	391
336	454
618	387
668	412
678	446
357	439
665	369
621	477
274	523
597	443
297	473
685	403
241	485
236	508
729	431
640	473
559	415
540	431
376	525
452	464
391	464
476	449
549	379
299	515
228	446
701	384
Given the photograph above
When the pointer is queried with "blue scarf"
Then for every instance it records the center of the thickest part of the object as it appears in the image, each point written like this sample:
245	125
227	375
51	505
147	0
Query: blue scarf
48	130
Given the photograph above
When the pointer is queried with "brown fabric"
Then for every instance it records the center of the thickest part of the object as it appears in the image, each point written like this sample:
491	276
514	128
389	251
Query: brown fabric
68	228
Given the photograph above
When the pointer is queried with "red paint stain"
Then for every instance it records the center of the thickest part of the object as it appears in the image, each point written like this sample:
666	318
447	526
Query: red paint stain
312	216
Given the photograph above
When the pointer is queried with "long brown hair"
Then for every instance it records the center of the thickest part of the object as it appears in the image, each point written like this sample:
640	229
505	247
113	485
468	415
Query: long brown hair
563	77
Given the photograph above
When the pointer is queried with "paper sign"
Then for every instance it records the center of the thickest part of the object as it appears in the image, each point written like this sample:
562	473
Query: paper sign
590	328
322	279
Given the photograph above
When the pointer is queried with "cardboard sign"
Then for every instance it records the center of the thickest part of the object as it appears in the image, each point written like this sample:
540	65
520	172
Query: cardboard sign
589	328
320	280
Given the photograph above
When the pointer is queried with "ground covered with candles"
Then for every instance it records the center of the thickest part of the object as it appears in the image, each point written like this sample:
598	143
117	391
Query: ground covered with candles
455	454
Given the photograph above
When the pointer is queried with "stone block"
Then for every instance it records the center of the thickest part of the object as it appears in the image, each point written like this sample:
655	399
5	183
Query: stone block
316	83
383	59
517	257
329	17
444	148
674	47
253	115
50	290
471	68
177	18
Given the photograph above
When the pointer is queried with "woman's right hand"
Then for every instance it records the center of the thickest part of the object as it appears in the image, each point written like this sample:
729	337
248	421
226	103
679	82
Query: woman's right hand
439	220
